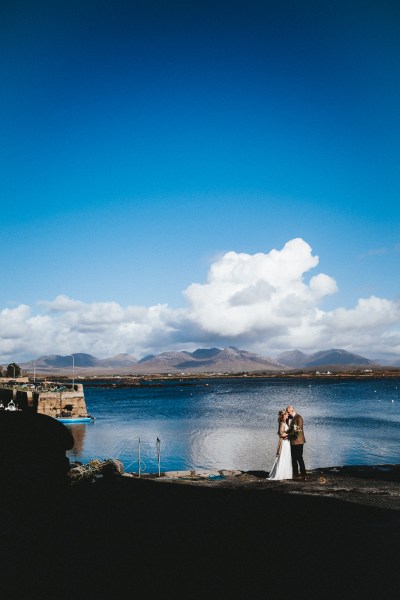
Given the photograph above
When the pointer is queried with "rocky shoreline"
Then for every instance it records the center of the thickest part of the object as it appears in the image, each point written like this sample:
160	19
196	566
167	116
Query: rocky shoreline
374	485
216	534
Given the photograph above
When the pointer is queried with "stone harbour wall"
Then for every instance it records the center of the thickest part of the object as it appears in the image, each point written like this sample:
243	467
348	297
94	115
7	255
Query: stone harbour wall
65	402
68	403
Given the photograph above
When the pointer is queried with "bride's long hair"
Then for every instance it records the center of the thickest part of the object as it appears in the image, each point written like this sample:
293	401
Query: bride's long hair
281	418
280	415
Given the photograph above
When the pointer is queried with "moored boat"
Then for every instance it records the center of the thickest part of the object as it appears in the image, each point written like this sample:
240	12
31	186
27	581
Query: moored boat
73	420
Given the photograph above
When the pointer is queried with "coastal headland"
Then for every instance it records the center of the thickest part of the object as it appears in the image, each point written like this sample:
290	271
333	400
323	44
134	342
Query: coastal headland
123	380
195	536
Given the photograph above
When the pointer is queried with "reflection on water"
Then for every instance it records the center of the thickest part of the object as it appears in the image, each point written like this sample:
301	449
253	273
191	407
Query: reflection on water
78	430
232	423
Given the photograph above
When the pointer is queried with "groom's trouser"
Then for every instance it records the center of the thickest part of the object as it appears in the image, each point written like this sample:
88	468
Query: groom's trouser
297	459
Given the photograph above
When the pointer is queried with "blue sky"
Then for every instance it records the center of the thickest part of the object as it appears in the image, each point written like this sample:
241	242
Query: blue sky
144	140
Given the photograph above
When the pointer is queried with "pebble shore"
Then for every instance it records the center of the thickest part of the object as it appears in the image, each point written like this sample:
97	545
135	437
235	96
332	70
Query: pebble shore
209	534
367	485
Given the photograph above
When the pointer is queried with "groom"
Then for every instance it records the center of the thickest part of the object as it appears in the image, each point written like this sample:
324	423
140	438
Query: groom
295	421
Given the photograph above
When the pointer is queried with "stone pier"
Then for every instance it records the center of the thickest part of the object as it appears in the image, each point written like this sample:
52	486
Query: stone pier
50	399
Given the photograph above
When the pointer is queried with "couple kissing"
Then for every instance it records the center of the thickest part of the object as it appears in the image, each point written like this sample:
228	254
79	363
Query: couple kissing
289	463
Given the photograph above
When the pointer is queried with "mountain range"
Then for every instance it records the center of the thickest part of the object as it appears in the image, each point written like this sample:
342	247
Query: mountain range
215	360
334	357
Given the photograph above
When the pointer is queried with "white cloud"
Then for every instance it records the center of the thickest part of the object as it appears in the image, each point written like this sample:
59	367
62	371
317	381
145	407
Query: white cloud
370	312
258	293
72	326
266	302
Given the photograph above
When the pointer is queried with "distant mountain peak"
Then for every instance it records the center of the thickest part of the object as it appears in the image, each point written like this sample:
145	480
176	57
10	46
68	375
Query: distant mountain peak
146	358
205	352
331	357
214	360
124	356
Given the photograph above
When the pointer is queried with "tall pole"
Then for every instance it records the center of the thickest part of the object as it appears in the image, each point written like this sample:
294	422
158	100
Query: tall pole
34	371
73	371
159	456
139	461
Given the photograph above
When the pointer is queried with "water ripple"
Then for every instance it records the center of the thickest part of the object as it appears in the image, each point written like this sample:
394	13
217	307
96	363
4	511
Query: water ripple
233	423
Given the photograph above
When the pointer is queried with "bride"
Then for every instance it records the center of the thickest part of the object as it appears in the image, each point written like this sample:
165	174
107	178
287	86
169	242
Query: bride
282	467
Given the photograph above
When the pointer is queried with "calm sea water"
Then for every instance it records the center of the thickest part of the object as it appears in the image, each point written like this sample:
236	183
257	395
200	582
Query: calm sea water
232	423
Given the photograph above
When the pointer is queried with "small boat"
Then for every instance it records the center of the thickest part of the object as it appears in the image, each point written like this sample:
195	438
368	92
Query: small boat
72	420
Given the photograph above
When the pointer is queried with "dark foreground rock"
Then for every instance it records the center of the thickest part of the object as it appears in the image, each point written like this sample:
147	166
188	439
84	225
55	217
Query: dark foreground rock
334	535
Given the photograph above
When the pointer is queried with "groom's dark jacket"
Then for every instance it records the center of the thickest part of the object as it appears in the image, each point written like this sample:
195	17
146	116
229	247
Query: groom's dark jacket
298	421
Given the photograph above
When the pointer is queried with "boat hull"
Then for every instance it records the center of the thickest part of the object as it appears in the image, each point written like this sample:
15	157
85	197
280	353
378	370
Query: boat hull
72	420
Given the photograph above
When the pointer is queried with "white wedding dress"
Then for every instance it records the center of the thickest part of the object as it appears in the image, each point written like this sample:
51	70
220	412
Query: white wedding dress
282	467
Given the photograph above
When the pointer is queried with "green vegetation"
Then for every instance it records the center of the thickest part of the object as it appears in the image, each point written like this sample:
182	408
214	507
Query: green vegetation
13	370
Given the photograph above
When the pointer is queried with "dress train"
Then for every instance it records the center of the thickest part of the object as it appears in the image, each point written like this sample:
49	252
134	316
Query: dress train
282	467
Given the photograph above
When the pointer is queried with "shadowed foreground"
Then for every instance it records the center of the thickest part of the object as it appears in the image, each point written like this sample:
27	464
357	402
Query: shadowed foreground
139	537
